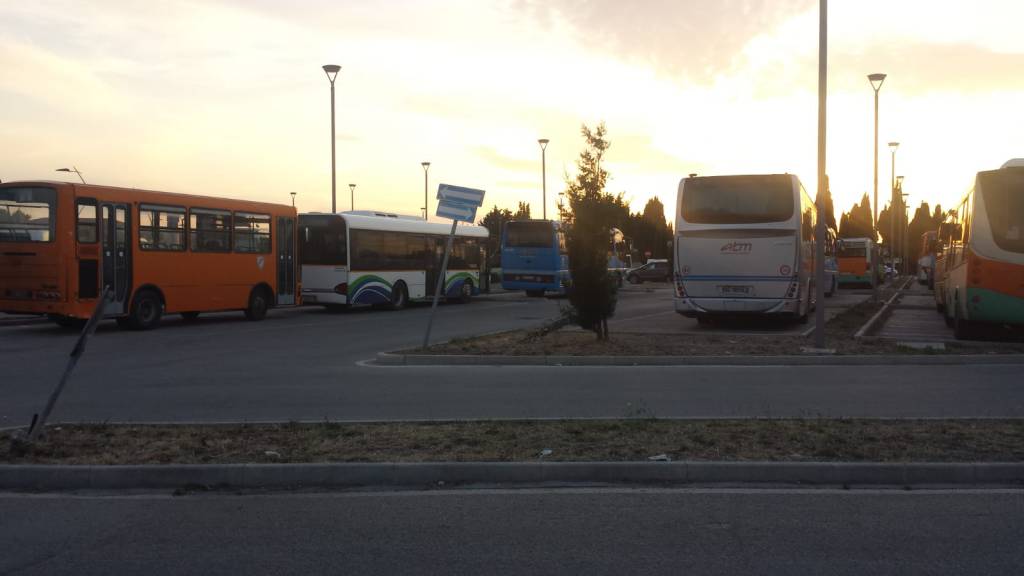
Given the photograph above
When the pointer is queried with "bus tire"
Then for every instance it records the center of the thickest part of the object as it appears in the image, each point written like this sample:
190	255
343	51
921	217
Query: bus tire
466	292
146	310
190	316
259	303
399	296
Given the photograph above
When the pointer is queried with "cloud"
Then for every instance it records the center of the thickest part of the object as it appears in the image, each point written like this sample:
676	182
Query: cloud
694	39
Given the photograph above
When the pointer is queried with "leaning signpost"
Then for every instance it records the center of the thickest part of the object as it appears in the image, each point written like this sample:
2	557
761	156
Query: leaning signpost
458	204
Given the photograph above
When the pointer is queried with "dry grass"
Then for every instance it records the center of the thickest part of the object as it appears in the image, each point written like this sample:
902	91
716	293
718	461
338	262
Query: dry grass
511	441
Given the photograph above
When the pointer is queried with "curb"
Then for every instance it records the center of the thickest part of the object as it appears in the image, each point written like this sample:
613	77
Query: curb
354	475
874	319
393	359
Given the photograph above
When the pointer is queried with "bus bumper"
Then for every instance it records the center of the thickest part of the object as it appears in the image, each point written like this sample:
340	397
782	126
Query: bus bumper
693	307
323	297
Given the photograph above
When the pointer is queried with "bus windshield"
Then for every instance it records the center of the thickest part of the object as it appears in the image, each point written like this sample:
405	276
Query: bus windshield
738	199
1004	202
529	235
27	214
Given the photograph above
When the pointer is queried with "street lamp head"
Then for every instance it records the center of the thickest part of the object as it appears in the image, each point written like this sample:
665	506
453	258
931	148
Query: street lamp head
893	146
876	80
543	143
63	169
332	71
352	186
425	165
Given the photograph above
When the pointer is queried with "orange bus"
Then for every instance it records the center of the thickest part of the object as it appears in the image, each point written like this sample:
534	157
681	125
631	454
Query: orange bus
62	244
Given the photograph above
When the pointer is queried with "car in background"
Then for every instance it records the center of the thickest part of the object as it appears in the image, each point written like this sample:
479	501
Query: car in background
653	271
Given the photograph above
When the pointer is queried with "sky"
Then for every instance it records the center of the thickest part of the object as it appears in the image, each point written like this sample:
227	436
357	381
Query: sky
228	98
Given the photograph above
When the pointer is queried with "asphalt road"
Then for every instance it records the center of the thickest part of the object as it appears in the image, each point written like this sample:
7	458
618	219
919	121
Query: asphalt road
594	531
301	364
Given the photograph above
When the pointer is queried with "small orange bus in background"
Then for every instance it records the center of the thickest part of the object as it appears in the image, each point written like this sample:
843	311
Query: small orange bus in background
62	244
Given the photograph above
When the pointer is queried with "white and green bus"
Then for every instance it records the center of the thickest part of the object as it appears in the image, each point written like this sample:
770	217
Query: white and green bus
382	259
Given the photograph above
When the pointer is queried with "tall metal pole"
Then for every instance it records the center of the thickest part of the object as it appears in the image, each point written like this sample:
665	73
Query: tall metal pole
426	203
332	72
892	205
544	176
819	230
876	84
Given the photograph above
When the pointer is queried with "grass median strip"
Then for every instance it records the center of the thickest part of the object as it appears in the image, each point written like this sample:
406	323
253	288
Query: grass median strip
796	440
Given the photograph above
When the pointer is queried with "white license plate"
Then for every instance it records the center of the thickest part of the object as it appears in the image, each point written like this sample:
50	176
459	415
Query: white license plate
742	290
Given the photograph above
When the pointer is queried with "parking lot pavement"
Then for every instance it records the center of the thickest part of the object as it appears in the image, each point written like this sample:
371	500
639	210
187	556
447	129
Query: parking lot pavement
914	319
657	316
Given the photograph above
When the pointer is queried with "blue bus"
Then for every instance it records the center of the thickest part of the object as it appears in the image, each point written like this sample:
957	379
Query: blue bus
534	257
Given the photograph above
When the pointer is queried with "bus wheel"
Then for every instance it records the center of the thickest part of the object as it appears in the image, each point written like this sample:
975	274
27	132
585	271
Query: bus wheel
399	296
190	316
466	293
259	303
146	310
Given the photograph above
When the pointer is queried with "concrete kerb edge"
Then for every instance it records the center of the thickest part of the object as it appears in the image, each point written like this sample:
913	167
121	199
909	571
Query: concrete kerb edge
874	319
433	474
396	359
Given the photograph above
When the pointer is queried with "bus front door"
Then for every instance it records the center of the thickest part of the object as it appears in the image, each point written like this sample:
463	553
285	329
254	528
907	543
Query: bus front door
286	261
116	257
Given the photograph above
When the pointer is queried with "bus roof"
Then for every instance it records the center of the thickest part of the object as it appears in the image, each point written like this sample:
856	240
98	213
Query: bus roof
86	189
1013	163
388	222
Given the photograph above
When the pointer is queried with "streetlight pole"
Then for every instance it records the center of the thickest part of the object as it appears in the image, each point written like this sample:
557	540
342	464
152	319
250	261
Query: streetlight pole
905	224
352	197
544	176
426	204
876	84
892	200
293	199
332	72
819	232
72	169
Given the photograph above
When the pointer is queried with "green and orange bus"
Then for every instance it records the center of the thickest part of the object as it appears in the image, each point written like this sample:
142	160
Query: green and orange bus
63	244
982	266
856	258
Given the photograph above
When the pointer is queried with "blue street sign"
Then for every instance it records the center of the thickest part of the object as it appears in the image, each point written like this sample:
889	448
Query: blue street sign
460	194
456	211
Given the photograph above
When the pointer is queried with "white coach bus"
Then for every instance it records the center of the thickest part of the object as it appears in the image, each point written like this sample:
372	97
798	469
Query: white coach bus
376	258
744	245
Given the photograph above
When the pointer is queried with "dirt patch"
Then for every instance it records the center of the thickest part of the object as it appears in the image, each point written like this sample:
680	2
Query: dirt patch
518	441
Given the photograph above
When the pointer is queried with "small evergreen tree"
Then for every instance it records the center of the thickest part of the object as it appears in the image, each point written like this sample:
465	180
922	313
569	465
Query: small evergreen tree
590	216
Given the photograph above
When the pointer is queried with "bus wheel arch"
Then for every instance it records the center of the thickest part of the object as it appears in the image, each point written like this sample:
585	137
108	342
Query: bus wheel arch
147	308
399	296
466	291
261	299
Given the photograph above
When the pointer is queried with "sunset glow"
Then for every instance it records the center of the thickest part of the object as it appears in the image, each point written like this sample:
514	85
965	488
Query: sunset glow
228	98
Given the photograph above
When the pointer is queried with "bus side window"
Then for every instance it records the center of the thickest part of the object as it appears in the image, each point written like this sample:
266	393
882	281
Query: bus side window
86	220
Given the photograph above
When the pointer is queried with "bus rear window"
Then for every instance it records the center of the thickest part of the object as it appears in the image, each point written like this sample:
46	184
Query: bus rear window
529	235
27	214
323	241
738	199
1004	201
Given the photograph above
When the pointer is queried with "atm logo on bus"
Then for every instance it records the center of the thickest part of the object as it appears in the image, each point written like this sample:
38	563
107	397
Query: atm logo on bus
737	248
